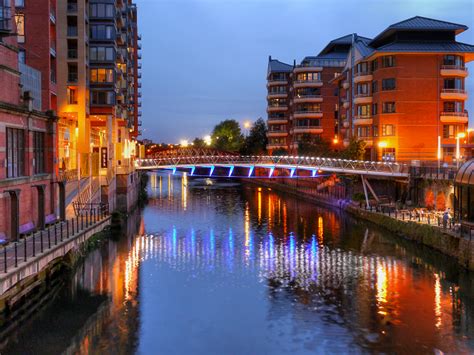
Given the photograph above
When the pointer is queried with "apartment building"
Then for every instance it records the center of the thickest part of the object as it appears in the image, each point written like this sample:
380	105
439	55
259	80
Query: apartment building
404	94
302	99
98	93
27	139
36	38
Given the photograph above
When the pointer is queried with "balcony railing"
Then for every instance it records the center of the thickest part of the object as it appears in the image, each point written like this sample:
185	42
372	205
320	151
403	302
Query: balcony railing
362	95
363	73
307	112
277	105
457	114
277	130
308	96
315	81
308	127
453	91
454	67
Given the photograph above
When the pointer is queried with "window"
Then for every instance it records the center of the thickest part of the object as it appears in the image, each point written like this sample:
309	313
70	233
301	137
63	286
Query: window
363	110
374	109
374	65
20	27
362	68
277	90
19	3
102	97
376	131
39	152
102	10
375	86
388	130
388	107
452	106
453	60
453	84
102	75
388	154
450	131
102	54
309	77
309	108
388	84
72	73
362	89
15	152
363	131
72	96
102	32
5	15
22	56
388	61
307	123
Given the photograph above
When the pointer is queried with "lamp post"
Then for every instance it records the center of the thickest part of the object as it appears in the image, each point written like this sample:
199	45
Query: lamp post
458	147
382	146
439	153
247	126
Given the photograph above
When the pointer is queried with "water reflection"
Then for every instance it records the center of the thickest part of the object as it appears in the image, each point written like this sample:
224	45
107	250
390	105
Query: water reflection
219	268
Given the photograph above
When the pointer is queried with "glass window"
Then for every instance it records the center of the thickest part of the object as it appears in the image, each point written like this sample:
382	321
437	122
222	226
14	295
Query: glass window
102	97
102	75
388	84
363	110
388	107
374	109
452	106
39	152
363	131
22	56
362	67
454	84
450	131
388	61
20	27
72	96
453	60
15	152
375	86
388	130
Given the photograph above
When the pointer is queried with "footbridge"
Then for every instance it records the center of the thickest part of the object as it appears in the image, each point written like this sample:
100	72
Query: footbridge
193	158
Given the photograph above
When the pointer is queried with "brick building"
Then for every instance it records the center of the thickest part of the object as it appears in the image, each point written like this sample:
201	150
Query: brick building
402	93
27	144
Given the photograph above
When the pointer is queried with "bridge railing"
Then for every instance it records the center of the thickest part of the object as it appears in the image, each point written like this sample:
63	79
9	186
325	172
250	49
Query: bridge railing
342	165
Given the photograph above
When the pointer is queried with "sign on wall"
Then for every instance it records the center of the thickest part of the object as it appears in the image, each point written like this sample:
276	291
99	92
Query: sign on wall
103	157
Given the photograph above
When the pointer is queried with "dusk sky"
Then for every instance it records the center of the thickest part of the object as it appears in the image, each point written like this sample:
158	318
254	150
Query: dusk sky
206	60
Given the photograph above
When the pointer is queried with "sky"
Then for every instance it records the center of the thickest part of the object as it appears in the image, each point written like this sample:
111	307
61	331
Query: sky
206	60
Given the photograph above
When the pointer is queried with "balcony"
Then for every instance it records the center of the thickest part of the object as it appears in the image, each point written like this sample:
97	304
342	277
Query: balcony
139	123
306	69
453	94
362	76
120	57
307	84
277	95
308	129
277	120
345	102
363	120
308	114
307	98
120	38
139	113
345	84
454	70
276	108
277	82
277	146
454	117
276	133
119	19
360	99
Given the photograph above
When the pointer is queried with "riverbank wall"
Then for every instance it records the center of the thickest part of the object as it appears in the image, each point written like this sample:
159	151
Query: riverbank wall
446	242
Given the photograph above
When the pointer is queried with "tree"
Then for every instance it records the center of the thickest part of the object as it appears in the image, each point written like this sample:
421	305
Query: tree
199	143
314	146
227	136
256	142
354	151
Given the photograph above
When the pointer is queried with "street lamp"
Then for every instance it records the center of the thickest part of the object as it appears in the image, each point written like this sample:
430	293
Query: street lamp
382	146
247	125
458	148
207	140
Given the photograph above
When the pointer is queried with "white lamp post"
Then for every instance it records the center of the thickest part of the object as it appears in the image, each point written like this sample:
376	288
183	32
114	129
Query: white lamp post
458	147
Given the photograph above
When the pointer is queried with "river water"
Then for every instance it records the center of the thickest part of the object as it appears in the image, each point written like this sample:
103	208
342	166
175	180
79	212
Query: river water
220	268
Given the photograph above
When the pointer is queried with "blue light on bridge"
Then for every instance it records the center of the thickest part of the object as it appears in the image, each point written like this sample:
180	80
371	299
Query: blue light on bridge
193	169
272	169
314	172
231	170
174	170
251	171
292	172
212	170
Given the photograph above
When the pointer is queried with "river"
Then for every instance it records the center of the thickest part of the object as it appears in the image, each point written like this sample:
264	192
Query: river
213	267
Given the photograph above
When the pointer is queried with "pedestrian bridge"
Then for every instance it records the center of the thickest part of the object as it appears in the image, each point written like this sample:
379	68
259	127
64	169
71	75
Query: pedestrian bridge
192	159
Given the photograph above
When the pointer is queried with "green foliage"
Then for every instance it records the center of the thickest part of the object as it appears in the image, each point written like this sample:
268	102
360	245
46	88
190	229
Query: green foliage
314	146
358	197
354	151
256	142
199	143
227	136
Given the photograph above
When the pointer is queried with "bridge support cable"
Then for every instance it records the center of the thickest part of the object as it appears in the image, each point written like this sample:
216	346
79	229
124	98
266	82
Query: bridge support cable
366	185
